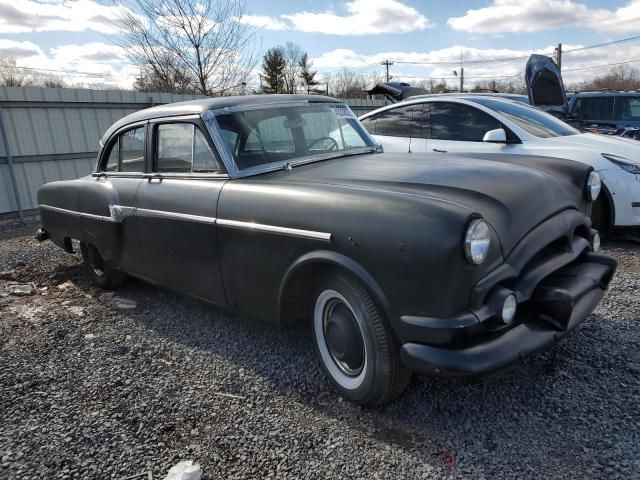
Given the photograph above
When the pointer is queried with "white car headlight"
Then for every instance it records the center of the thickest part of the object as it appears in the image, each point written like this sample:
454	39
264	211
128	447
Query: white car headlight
594	185
477	241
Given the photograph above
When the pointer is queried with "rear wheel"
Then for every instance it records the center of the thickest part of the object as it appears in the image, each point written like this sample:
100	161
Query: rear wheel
355	345
98	270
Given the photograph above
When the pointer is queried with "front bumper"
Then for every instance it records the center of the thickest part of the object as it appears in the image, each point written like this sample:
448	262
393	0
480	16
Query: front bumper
556	289
560	303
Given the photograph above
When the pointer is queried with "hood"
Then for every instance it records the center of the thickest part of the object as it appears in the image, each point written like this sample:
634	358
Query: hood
598	144
544	84
396	91
512	197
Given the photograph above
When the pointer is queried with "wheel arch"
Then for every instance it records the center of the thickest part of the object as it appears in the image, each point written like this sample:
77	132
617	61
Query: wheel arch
307	266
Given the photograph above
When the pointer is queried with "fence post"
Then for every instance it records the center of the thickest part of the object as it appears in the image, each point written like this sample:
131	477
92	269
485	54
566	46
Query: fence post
12	173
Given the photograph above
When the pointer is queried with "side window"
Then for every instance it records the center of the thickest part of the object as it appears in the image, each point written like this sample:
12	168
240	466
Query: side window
453	121
112	159
595	108
132	150
400	122
183	148
204	160
627	108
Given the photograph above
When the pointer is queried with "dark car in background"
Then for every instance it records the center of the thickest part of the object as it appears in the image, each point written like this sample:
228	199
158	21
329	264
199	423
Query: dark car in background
614	109
282	208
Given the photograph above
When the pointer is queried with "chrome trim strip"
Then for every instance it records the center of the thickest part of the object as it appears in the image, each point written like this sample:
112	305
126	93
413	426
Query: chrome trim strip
275	229
145	212
78	214
119	213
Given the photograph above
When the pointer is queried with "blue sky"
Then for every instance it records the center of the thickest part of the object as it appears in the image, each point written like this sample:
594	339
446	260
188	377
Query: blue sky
74	35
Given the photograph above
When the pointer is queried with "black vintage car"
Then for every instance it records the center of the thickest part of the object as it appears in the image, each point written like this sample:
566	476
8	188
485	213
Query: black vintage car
283	208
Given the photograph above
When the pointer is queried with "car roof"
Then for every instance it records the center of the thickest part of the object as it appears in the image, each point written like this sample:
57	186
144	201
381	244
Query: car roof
191	107
472	94
605	93
469	97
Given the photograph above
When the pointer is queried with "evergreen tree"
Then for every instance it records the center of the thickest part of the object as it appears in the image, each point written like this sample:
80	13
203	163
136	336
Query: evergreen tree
273	69
307	75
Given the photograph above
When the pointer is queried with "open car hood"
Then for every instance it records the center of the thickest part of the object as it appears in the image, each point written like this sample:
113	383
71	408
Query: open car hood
544	84
396	91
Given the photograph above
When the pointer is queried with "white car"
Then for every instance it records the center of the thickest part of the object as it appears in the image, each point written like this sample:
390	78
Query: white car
492	124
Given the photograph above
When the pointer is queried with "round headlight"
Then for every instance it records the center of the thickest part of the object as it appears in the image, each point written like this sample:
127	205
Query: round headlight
477	241
594	185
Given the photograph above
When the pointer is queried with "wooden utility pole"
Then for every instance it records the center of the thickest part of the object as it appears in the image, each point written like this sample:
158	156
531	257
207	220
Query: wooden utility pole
387	64
559	56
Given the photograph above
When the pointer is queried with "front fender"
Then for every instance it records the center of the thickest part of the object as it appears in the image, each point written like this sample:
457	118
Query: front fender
339	260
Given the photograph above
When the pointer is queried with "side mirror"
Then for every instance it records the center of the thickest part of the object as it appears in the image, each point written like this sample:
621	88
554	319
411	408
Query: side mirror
495	136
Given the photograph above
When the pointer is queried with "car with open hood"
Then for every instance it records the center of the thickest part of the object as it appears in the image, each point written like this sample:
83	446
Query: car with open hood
454	124
282	208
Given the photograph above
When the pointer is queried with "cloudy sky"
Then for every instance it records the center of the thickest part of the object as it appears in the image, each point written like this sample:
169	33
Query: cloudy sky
74	38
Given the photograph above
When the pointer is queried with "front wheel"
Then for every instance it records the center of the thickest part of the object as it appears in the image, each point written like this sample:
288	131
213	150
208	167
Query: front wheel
354	342
100	273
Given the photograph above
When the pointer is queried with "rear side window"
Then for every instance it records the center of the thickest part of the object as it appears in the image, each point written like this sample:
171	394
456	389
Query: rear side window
370	123
183	148
453	121
594	108
627	108
400	122
127	152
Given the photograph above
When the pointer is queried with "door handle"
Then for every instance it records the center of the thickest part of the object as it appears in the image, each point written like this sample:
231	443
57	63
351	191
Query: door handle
153	176
439	151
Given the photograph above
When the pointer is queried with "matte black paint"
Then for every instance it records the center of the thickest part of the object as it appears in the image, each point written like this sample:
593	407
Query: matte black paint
396	222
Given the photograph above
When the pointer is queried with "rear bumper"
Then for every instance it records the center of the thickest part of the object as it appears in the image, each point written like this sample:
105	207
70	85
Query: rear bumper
559	303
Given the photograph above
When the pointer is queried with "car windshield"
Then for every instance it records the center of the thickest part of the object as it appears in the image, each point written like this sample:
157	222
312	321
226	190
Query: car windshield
287	134
531	120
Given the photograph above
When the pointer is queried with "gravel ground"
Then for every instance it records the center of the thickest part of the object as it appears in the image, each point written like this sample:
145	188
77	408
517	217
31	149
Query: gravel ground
91	391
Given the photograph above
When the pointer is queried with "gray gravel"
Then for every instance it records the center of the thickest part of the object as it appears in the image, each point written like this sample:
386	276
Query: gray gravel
91	391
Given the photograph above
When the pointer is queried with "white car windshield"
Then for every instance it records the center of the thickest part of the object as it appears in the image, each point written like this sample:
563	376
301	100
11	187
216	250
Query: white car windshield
286	134
531	120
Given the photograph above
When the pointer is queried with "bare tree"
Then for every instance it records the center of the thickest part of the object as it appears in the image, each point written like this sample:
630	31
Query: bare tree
349	84
516	85
292	54
198	42
12	75
620	77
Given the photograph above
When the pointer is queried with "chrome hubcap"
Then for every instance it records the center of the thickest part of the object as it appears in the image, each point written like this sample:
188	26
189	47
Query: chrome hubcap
340	339
343	337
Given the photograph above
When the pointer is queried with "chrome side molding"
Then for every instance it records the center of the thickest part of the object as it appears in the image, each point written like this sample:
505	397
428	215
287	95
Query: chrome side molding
119	212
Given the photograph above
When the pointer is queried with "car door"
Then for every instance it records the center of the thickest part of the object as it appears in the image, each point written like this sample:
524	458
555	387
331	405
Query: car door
460	128
120	172
399	129
176	209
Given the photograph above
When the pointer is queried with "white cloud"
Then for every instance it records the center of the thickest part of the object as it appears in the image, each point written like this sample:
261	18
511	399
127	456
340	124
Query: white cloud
59	15
262	21
514	16
90	63
15	49
364	17
441	63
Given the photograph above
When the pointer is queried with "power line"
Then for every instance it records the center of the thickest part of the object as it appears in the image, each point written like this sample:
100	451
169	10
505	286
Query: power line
519	57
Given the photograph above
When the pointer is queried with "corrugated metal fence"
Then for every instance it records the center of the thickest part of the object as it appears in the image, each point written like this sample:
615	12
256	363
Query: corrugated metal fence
53	133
